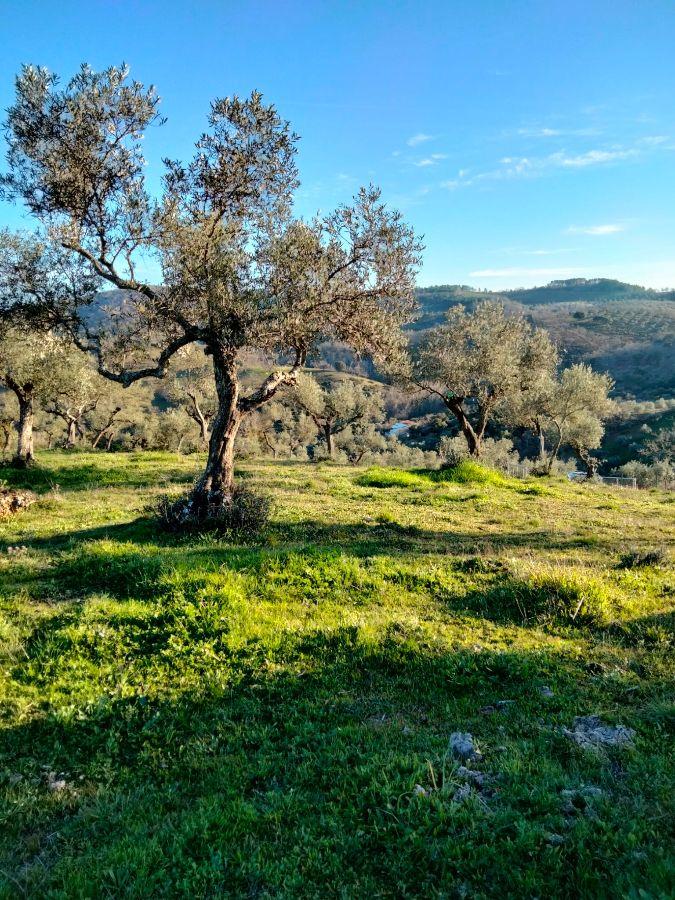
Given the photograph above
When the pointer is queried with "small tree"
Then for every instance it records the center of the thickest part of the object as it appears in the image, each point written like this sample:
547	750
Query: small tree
337	407
30	366
361	441
169	430
575	411
75	393
279	429
237	272
103	423
193	390
480	364
659	445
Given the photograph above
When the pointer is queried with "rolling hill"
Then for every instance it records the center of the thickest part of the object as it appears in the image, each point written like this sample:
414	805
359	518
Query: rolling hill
623	329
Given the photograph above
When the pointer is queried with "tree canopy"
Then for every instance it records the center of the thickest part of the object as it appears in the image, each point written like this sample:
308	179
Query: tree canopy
234	270
480	364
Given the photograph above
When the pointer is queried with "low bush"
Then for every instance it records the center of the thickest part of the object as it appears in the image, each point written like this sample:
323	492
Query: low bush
384	478
638	559
13	501
498	454
468	472
247	512
547	597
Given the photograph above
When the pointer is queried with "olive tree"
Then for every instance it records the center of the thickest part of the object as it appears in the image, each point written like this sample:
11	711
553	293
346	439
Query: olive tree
575	410
480	364
104	420
280	429
7	420
237	272
193	391
74	394
361	441
337	407
30	367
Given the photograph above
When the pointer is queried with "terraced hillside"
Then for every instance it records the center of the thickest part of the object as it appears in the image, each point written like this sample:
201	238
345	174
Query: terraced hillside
626	331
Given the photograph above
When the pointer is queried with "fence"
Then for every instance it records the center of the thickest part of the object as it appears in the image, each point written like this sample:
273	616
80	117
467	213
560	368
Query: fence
518	470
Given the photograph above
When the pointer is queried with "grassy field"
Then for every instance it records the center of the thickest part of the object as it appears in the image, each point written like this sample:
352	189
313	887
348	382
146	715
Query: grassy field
271	718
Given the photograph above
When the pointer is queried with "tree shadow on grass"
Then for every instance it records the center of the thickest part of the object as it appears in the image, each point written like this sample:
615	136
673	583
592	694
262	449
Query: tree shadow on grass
291	772
360	539
135	559
82	476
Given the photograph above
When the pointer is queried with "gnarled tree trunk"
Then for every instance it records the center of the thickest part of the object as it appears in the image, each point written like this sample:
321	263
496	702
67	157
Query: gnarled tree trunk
214	489
107	430
556	448
71	433
541	437
473	438
589	461
202	421
328	437
24	449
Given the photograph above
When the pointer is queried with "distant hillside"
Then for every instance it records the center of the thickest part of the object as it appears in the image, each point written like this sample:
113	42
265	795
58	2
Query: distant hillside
434	301
623	329
590	290
570	290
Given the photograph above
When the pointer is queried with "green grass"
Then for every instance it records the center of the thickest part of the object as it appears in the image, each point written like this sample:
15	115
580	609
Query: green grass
196	717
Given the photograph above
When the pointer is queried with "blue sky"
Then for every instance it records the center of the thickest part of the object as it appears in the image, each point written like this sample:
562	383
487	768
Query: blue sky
525	139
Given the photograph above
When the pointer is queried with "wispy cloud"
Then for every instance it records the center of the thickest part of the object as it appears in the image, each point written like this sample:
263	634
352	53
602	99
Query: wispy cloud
546	132
550	252
655	139
511	167
590	158
597	230
418	139
539	132
430	160
518	272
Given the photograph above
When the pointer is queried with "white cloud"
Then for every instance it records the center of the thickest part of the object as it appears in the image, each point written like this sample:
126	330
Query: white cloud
556	252
659	274
654	140
518	272
611	228
562	160
420	138
545	132
431	160
590	158
511	167
539	132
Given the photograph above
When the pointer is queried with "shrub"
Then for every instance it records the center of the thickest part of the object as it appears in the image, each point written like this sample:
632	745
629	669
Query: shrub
385	517
13	501
548	596
637	559
497	454
248	512
468	472
658	474
384	478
